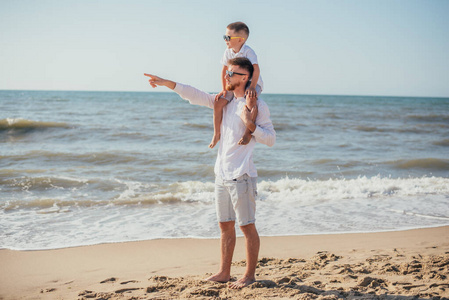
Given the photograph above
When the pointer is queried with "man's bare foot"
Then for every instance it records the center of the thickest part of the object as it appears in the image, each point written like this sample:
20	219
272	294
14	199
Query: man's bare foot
219	277
245	139
214	141
242	282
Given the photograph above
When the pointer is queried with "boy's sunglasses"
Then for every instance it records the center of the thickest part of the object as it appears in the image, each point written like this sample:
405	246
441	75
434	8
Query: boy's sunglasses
228	38
230	73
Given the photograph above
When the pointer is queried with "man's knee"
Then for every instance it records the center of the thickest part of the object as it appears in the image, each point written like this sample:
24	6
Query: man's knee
220	103
248	229
227	226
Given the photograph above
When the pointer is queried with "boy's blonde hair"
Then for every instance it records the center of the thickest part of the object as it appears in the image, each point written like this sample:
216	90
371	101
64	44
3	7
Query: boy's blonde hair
239	27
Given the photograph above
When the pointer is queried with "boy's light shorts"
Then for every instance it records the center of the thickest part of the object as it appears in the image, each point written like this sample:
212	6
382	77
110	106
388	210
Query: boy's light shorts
236	199
230	95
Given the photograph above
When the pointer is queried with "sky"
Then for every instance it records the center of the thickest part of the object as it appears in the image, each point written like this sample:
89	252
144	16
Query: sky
326	47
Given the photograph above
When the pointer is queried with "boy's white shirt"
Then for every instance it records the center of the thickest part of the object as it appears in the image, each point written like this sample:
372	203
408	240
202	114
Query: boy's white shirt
234	160
245	51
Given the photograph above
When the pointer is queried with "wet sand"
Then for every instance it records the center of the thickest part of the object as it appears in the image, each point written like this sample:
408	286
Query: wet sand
391	265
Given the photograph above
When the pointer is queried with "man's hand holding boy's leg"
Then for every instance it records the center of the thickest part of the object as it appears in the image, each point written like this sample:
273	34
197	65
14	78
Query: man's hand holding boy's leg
249	115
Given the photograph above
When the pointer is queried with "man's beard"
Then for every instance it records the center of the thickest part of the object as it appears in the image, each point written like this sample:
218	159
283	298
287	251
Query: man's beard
231	87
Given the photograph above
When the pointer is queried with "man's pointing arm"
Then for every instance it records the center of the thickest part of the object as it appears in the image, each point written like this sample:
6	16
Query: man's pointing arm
193	95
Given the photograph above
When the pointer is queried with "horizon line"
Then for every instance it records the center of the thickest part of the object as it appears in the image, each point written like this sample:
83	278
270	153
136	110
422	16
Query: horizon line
150	91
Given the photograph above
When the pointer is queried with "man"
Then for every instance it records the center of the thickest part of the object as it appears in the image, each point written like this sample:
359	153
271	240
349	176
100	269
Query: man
236	175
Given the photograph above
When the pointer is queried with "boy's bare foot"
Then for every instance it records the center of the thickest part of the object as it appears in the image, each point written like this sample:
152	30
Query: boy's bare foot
219	277
214	141
242	282
245	139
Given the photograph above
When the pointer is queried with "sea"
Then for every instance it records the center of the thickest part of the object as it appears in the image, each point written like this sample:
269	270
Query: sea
84	168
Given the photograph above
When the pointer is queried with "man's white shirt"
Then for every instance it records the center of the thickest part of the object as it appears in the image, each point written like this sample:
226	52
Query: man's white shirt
234	160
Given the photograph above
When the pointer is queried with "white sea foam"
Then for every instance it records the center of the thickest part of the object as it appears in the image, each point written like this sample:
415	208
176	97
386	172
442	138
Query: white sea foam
363	187
186	209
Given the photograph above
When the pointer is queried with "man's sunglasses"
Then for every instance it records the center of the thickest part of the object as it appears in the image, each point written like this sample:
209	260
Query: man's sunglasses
230	73
228	38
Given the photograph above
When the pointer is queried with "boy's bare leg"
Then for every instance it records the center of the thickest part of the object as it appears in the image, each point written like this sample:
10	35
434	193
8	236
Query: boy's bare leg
252	253
227	244
250	102
218	117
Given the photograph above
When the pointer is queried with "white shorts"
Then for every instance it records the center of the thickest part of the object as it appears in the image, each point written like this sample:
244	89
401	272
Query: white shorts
236	199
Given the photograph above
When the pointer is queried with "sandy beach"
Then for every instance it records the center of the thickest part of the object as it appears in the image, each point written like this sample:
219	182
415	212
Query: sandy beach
388	265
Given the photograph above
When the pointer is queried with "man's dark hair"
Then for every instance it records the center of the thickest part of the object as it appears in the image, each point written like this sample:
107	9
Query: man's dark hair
243	63
239	27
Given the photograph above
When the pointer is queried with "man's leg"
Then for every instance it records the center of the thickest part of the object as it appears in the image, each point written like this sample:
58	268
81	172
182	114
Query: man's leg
227	243
252	254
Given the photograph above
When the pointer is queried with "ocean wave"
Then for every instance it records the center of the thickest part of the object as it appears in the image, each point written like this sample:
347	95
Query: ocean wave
9	124
138	136
47	205
419	129
332	115
186	209
337	164
433	164
429	118
444	142
11	173
265	173
285	190
370	129
361	187
286	126
43	183
125	193
323	161
98	158
198	126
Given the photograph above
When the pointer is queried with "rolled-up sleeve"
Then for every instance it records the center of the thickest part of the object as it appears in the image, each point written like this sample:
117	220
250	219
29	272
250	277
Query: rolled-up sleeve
194	95
264	133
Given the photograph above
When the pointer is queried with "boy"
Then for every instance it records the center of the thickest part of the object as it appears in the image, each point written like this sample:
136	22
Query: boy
236	35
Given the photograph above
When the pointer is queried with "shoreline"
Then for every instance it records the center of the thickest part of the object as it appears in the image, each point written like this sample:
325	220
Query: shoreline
135	269
239	235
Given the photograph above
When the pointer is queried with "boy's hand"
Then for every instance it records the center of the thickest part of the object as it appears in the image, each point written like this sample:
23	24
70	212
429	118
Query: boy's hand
155	81
247	117
251	92
221	94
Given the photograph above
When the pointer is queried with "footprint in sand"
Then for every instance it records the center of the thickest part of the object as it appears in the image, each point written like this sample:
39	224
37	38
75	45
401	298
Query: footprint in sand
158	278
88	294
112	279
121	291
129	281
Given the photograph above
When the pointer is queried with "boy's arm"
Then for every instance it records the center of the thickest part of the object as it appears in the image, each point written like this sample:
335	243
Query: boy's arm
193	95
256	75
252	88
